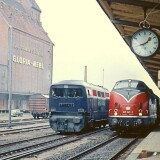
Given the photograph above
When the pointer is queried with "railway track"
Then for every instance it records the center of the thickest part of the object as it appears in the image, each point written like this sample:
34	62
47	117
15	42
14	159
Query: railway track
27	129
110	148
92	149
26	140
23	122
34	145
105	150
43	146
101	142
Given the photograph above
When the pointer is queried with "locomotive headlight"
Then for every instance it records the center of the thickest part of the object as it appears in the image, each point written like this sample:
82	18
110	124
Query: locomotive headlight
115	112
53	109
80	110
53	119
140	112
76	120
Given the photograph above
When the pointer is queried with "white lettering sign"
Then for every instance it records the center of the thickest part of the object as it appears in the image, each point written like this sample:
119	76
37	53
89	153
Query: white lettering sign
25	61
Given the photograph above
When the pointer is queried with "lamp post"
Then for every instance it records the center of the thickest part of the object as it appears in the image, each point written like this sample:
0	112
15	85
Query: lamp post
10	40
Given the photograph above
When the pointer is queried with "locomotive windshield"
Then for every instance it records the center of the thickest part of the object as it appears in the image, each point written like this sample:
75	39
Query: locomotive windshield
121	84
130	84
138	85
67	92
74	92
58	92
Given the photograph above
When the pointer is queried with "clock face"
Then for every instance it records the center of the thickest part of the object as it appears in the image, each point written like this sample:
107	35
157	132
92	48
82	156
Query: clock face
145	43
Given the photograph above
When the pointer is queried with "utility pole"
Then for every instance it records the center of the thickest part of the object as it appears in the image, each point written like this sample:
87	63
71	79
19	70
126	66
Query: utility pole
103	79
85	74
10	40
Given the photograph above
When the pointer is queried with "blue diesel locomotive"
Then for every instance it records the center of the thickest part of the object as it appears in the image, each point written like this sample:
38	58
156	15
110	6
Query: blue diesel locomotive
77	105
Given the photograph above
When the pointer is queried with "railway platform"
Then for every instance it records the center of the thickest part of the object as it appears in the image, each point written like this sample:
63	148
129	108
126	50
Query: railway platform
148	149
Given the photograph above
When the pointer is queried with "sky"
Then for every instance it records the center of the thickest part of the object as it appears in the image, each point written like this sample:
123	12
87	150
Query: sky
84	36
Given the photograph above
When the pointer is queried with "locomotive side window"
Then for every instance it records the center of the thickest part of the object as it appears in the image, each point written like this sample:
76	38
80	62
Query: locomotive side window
89	92
102	93
99	94
94	93
106	94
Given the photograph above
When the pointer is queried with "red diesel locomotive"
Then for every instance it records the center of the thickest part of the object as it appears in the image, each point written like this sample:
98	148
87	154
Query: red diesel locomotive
133	107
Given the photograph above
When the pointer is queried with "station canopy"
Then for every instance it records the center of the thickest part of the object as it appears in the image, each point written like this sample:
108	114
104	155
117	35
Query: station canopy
127	16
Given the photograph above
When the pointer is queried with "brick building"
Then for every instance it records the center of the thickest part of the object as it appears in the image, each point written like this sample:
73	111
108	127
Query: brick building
26	53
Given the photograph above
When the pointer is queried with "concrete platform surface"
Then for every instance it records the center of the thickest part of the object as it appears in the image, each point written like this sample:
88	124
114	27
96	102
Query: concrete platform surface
148	149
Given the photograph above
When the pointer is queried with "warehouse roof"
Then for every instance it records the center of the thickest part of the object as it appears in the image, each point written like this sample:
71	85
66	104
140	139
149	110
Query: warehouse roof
17	16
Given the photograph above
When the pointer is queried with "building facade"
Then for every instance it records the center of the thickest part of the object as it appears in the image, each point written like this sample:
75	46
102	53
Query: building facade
26	53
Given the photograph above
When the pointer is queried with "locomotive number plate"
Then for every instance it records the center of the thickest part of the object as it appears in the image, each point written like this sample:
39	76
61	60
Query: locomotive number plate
66	104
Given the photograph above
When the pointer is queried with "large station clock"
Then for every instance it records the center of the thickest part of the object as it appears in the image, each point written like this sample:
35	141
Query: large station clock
145	43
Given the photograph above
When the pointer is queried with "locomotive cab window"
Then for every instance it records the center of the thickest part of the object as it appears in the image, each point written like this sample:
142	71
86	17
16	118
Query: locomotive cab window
66	92
138	85
121	84
74	92
58	92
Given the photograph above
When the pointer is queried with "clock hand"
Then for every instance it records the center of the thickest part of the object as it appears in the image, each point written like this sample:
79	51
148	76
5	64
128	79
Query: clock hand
149	39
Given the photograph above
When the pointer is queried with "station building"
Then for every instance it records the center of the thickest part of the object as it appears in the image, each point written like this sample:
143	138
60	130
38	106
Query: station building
26	53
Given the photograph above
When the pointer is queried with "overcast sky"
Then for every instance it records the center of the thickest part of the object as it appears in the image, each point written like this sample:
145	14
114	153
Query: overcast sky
84	36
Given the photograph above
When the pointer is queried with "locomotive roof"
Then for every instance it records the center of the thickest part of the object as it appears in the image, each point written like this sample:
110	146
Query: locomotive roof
138	81
80	83
130	80
133	80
